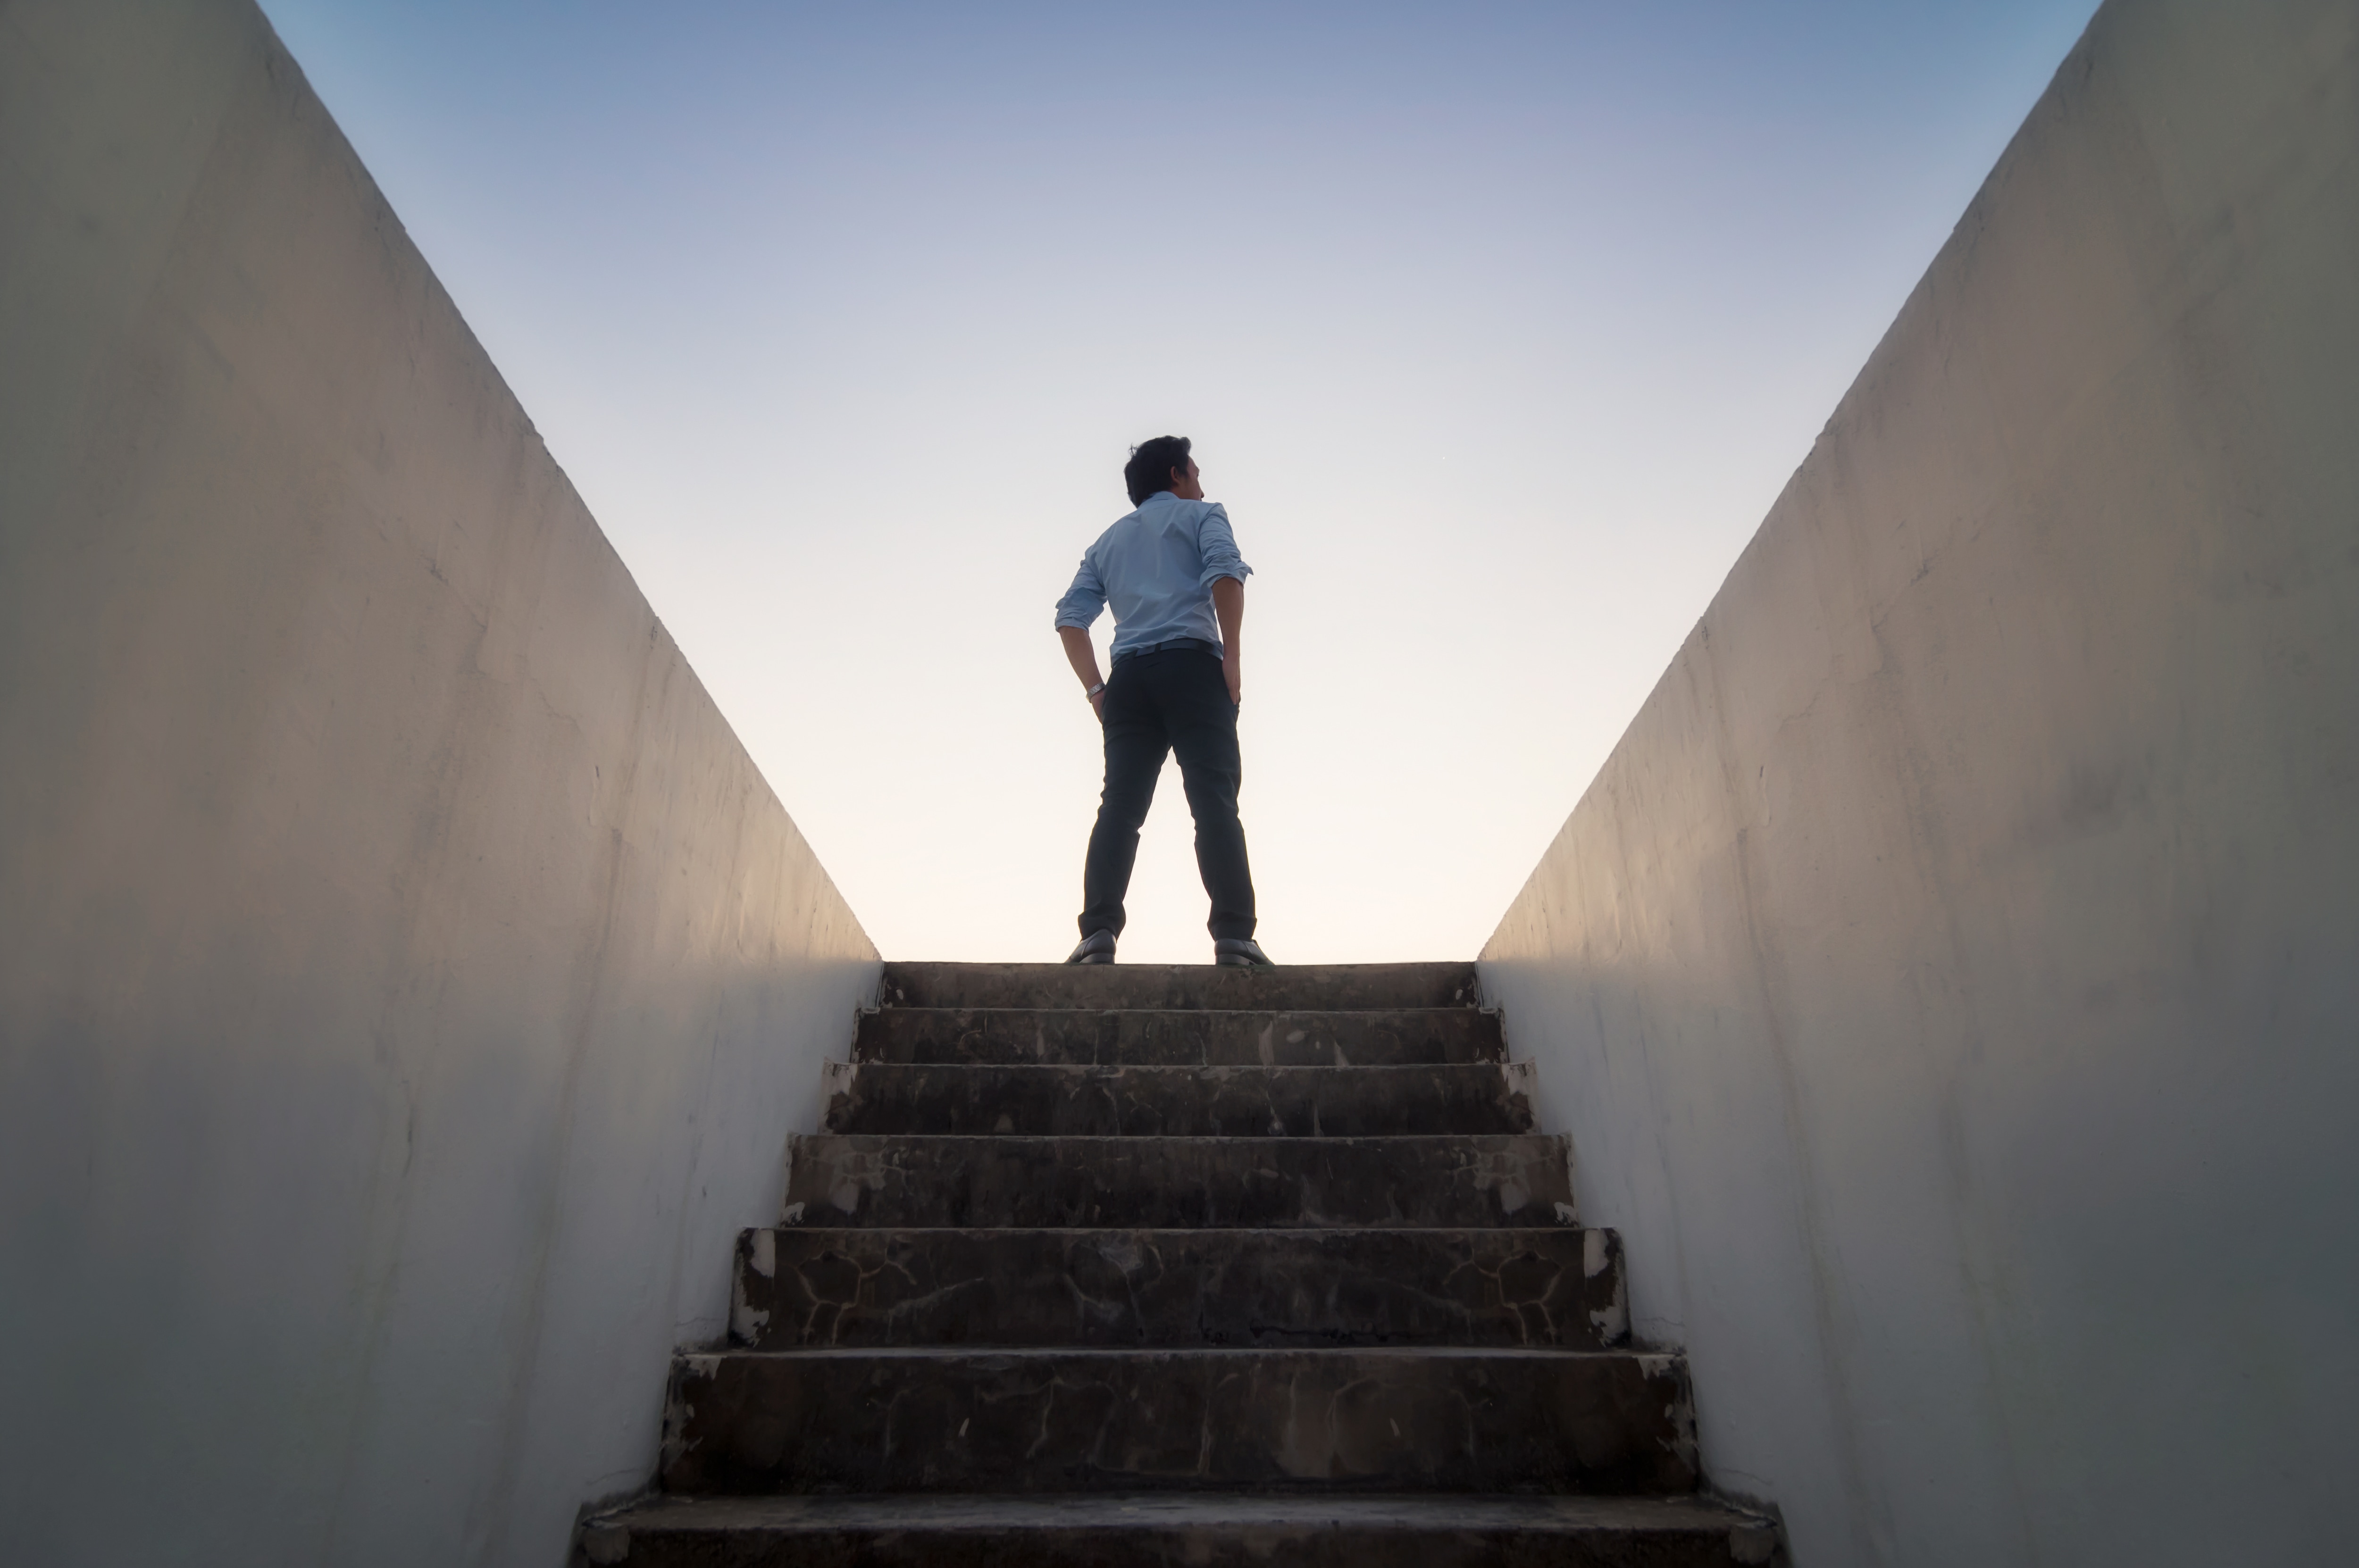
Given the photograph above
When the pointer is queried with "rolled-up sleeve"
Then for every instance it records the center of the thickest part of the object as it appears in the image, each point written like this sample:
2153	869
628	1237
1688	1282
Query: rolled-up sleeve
1084	600
1217	543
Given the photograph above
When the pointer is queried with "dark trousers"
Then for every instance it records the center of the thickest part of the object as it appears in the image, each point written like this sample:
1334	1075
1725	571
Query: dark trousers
1156	704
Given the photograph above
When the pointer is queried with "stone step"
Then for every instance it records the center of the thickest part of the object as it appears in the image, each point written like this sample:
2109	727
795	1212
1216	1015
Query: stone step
1152	1529
1178	1102
1175	1289
1063	1420
1179	1037
913	1180
1288	988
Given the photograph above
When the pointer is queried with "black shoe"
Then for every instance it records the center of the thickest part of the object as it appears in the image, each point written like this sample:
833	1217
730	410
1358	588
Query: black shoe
1097	947
1240	953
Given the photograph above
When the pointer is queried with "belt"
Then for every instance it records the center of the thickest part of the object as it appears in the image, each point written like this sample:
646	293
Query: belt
1195	643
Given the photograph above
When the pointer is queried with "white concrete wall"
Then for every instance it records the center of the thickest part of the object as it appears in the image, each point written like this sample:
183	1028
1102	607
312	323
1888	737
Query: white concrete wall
1951	982
406	982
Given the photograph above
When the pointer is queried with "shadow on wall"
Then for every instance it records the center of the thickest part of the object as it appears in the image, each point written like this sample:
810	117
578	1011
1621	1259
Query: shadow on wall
1947	981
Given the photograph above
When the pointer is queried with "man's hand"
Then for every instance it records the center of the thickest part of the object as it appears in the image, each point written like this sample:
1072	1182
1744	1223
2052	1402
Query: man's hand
1097	706
1235	676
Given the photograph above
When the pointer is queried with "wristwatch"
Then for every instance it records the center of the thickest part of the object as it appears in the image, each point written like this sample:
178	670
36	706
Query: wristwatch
1093	690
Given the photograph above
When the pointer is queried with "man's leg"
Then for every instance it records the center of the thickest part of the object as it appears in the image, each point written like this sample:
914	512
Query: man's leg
1135	749
1203	726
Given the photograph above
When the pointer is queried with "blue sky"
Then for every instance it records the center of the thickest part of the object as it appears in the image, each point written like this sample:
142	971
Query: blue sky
1498	327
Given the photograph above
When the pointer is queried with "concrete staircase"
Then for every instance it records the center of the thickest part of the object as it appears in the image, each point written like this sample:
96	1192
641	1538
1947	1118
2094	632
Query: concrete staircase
1143	1265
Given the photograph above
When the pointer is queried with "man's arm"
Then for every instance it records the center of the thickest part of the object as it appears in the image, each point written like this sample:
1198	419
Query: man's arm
1084	657
1229	608
1082	603
1225	578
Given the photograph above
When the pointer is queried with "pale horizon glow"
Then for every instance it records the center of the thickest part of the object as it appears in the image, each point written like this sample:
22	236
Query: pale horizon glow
1499	328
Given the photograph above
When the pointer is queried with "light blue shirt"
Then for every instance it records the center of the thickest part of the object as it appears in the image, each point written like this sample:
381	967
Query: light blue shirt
1157	568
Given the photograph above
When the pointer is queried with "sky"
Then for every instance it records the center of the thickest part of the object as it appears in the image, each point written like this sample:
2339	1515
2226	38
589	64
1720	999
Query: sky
1498	327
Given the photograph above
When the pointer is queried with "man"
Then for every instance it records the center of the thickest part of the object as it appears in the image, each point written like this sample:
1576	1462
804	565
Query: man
1170	570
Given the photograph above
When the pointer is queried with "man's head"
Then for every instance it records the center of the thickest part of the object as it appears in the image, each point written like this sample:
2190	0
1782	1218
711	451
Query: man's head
1161	464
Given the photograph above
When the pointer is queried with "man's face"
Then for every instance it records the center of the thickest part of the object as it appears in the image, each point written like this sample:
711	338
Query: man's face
1190	486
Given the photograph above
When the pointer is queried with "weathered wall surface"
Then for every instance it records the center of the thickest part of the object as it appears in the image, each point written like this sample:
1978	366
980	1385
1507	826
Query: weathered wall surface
1951	982
406	982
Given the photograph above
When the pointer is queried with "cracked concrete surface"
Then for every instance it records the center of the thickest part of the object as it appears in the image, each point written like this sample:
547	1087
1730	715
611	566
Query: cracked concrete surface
1178	1037
1387	1419
1506	1287
1439	1180
1026	1264
1143	1101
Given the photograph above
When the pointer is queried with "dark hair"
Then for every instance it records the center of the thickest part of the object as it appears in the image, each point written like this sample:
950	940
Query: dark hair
1150	466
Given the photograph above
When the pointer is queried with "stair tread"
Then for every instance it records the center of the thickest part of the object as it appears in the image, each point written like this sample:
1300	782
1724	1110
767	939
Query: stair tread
1089	1099
1098	1510
1321	1420
1027	967
1144	1036
1190	1352
1301	986
1403	1070
1308	1233
1114	1286
1242	1140
1178	1012
875	1179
